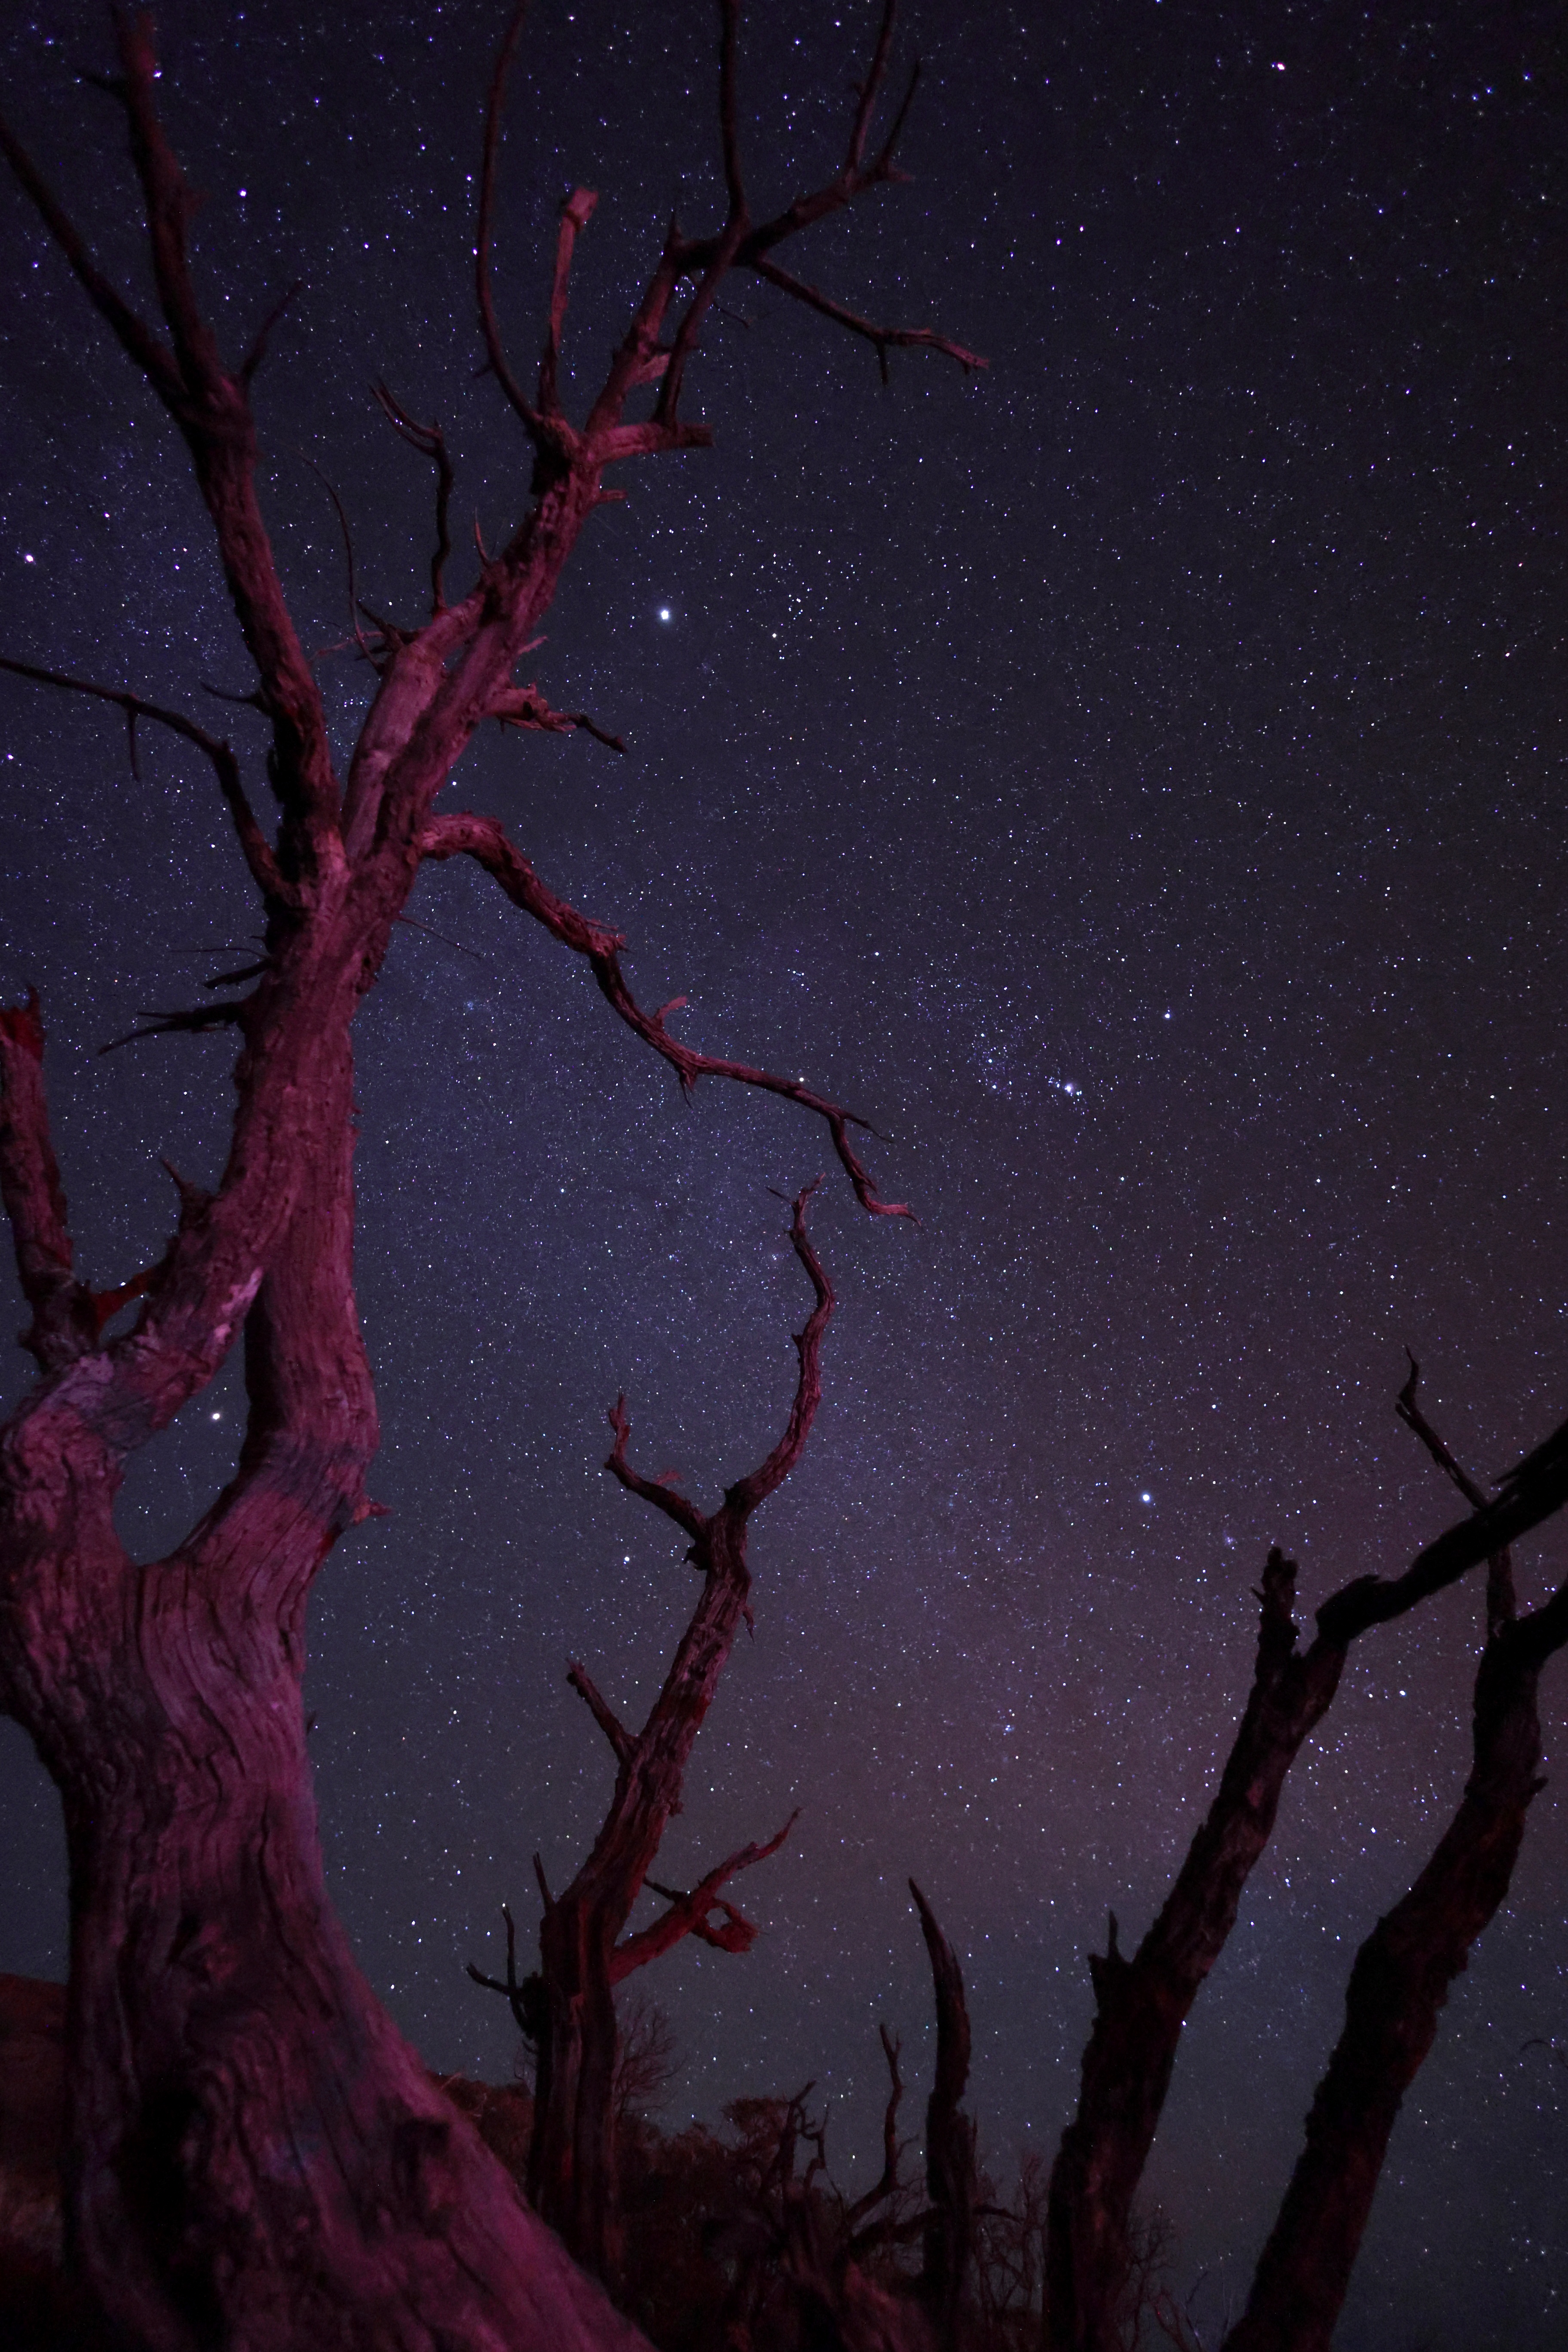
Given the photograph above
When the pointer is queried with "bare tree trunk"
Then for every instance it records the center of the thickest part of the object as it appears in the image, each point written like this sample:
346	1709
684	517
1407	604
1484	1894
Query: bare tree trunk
948	2250
567	2011
256	2159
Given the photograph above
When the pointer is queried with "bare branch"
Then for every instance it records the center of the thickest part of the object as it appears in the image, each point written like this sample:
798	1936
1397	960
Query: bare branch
1397	1988
736	225
212	410
604	1714
741	246
63	1325
257	352
657	1491
871	89
888	2186
194	1021
429	440
577	211
688	1914
484	840
514	1989
524	706
882	339
1411	1414
1502	1600
747	1493
133	334
494	349
253	842
950	2138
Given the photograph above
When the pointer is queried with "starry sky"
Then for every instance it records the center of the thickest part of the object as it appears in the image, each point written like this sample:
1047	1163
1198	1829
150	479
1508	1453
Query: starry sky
1132	778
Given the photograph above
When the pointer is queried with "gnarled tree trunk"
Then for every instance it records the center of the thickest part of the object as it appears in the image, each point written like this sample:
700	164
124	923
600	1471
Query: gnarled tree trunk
256	2159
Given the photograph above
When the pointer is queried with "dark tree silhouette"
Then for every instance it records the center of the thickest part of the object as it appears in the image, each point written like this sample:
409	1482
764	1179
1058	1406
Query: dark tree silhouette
566	2009
256	2156
1401	1977
1403	1972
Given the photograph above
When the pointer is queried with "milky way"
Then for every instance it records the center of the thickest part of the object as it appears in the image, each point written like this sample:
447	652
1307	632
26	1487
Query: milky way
1131	777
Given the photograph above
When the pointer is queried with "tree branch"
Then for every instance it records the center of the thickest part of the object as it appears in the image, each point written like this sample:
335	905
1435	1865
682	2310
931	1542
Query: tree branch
485	841
688	1914
744	1496
253	842
604	1714
577	211
524	706
888	2185
882	339
64	1325
212	410
430	441
1398	1989
664	1496
494	349
950	2138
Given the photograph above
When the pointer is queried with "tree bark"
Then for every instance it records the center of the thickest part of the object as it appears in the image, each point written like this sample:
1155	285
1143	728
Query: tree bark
255	2159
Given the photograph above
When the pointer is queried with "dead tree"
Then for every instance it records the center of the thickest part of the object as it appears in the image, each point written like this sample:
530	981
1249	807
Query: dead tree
1403	1972
567	2009
257	2156
1141	2003
948	2235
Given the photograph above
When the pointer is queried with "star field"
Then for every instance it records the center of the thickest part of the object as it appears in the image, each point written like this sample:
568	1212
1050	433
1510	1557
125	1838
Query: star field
1132	778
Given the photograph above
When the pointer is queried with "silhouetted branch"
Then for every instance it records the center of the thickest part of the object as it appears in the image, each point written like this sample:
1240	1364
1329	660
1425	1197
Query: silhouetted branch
950	2140
430	441
212	410
253	842
604	1714
485	840
494	349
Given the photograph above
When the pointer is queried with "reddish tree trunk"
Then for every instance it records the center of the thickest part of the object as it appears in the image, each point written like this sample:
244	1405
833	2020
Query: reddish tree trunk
256	2159
567	2011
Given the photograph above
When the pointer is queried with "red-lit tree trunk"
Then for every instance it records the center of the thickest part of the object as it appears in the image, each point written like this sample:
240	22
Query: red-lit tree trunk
567	2009
255	2158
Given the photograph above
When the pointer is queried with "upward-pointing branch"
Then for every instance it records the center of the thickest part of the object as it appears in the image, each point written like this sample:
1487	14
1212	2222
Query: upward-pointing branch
211	406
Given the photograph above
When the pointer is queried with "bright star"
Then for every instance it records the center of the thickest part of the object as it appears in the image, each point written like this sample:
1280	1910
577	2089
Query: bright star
665	614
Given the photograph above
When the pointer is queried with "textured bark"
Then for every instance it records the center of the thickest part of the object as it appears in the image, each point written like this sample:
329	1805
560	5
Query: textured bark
567	2009
255	2158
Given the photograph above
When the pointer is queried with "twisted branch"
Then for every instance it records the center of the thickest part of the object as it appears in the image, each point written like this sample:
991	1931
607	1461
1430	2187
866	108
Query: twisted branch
485	841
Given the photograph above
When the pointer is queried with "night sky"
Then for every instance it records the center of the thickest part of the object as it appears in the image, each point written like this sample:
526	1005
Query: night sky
1132	778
